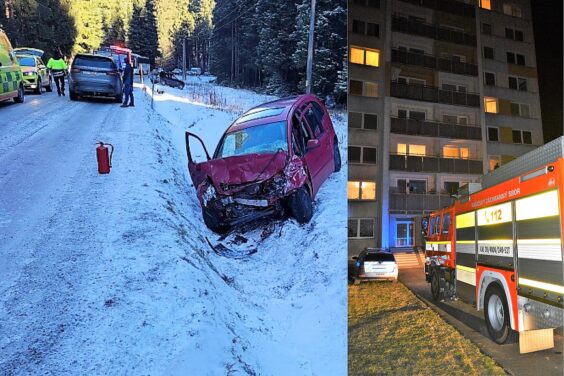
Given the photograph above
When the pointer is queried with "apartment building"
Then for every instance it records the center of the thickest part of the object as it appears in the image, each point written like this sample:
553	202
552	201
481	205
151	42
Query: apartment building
440	92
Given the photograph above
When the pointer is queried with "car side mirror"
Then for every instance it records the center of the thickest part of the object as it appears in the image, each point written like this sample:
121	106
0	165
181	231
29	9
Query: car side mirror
312	143
355	258
42	67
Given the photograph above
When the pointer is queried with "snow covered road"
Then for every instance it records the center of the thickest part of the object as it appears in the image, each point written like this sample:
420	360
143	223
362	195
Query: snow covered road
113	274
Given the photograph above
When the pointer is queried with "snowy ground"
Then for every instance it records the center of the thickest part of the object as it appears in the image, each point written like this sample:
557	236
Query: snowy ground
114	274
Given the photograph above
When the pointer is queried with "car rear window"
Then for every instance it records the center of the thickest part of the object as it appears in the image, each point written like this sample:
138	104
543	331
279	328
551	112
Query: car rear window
26	61
379	257
267	112
94	62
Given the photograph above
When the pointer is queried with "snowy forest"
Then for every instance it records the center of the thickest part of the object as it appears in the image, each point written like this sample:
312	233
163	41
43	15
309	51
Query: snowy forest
259	44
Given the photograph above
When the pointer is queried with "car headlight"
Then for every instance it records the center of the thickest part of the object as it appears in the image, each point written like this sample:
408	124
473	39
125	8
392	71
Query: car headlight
29	73
209	194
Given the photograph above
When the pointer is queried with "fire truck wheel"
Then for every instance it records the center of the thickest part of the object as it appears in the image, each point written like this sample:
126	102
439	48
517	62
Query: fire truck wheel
437	284
496	313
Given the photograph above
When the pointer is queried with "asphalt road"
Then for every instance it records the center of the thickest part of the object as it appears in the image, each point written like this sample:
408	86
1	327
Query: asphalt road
470	322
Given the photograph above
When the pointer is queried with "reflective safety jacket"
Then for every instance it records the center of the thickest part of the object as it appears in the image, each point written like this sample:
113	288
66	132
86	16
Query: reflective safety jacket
57	66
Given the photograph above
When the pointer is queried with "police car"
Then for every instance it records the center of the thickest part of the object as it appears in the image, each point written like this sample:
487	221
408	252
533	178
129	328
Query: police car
11	77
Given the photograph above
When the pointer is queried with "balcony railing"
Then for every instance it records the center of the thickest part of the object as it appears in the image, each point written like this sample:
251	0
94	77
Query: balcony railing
416	163
433	62
434	94
413	202
405	25
435	129
448	6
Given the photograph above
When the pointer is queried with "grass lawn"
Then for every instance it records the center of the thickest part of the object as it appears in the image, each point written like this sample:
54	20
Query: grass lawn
391	332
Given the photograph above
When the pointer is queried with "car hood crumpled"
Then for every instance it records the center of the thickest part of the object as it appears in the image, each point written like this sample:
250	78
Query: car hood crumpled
228	173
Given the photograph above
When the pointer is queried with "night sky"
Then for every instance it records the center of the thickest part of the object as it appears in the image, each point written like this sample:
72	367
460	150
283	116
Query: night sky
547	23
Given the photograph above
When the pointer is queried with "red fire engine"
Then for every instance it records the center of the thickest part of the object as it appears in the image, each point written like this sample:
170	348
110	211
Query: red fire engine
499	247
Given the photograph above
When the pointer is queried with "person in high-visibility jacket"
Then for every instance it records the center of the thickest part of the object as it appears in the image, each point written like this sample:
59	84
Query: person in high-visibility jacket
58	69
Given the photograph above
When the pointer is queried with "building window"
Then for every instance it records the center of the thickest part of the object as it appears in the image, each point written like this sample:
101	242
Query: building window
372	29
361	228
363	121
519	35
527	138
411	186
411	149
368	3
355	87
513	58
493	134
365	56
514	34
486	4
520	109
358	27
488	53
455	119
361	190
362	154
487	29
411	114
490	105
456	151
451	187
494	162
517	83
454	87
489	78
517	139
512	10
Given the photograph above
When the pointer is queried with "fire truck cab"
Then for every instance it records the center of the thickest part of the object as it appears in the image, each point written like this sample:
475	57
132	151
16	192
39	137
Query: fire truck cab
499	247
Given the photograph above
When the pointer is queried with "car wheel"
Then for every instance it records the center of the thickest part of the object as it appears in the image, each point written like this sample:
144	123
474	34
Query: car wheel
300	205
336	156
39	86
21	95
437	284
119	98
213	222
49	87
73	96
496	313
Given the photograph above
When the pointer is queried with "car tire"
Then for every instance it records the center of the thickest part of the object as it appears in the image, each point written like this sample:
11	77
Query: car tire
49	87
496	313
21	95
300	205
73	96
437	284
39	86
336	156
119	98
213	222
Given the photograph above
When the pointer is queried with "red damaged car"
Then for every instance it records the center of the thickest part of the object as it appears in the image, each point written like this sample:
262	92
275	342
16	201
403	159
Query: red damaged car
273	159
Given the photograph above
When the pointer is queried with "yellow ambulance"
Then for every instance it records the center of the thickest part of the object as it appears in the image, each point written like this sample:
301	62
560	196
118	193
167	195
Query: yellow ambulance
11	77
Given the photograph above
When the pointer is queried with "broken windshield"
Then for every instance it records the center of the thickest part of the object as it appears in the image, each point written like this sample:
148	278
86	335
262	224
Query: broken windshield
264	138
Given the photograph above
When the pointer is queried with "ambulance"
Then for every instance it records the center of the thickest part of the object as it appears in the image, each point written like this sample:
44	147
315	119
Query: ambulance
11	77
499	247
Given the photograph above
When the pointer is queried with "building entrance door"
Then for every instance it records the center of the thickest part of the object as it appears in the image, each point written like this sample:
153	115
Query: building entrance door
404	234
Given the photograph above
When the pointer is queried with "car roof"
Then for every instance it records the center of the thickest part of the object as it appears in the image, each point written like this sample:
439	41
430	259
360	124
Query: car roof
274	111
92	55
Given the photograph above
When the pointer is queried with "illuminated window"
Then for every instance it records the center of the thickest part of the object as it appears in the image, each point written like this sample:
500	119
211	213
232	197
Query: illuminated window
402	149
490	105
357	55
417	149
361	190
494	162
486	4
455	151
365	56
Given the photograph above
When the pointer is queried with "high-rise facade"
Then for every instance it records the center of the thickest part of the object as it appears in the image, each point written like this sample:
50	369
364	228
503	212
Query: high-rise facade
440	92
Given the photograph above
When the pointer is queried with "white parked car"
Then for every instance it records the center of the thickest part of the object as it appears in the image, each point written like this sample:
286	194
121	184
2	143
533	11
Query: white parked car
177	71
373	264
195	71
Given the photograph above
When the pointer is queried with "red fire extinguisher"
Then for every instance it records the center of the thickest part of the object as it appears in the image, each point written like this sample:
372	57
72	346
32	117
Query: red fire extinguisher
104	160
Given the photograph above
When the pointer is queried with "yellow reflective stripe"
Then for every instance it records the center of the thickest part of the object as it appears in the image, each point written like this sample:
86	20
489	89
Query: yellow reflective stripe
496	241
465	241
555	241
537	206
466	268
441	242
465	220
542	285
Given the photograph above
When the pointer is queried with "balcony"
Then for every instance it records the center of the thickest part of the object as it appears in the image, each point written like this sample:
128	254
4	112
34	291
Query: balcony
405	25
417	163
433	62
435	129
433	94
447	6
417	203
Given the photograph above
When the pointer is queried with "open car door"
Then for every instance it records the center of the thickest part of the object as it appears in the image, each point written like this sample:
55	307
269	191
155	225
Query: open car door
195	168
